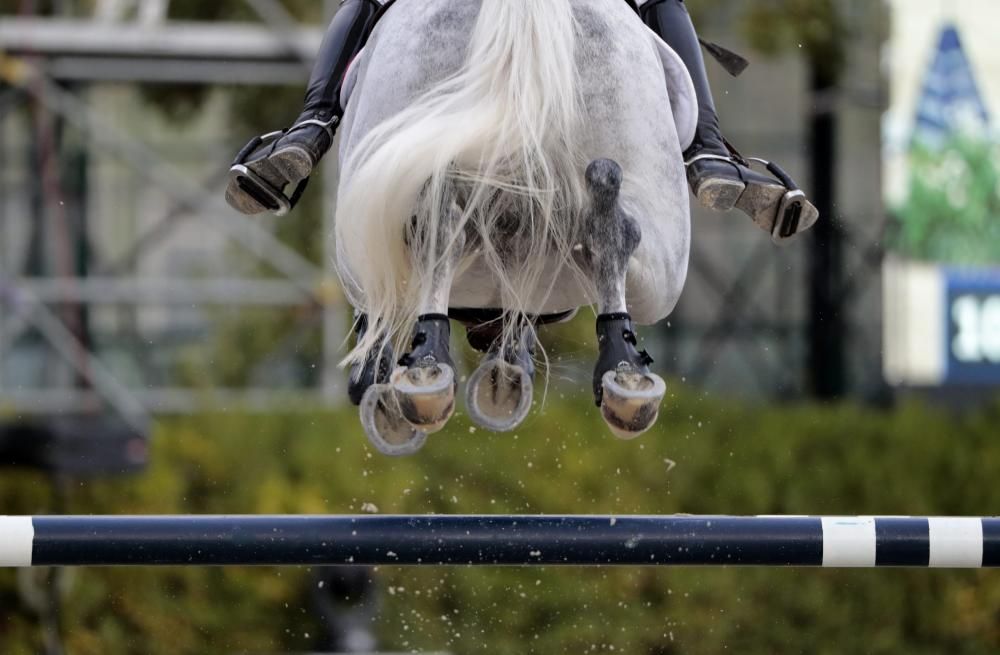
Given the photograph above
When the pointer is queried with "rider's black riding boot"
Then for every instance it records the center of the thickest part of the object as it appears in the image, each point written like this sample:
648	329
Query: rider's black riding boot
267	171
719	177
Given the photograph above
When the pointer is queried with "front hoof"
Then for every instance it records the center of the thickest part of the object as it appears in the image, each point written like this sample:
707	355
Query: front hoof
384	424
426	395
498	396
631	400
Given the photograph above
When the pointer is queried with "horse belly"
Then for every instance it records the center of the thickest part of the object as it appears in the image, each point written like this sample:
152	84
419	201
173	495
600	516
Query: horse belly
628	117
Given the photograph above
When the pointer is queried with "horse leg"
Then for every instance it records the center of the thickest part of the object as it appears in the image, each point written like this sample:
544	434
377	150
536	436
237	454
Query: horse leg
425	382
499	393
374	370
368	387
627	392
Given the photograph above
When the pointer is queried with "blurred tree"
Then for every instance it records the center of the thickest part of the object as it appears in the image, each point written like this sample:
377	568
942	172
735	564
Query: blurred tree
242	341
818	28
949	214
822	31
304	10
179	9
704	456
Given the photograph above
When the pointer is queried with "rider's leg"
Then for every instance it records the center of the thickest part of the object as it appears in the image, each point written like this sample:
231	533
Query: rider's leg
719	178
292	157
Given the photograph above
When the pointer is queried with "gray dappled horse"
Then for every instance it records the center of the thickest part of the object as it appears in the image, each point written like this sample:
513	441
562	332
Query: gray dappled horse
507	163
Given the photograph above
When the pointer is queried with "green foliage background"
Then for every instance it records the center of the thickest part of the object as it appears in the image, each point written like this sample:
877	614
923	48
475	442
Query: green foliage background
705	456
952	212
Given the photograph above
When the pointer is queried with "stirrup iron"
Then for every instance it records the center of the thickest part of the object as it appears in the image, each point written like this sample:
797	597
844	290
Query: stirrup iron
263	192
790	210
789	217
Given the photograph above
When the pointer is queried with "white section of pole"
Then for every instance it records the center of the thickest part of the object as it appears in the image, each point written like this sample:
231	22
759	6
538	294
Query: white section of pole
16	538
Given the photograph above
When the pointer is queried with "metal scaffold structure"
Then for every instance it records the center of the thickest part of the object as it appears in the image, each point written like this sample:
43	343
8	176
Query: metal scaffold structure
52	285
70	251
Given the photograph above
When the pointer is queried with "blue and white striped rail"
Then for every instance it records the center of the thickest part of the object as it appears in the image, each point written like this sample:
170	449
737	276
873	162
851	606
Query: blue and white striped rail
500	540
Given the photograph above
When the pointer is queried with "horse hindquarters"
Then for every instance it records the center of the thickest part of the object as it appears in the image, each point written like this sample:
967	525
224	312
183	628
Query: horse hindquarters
502	129
504	123
530	91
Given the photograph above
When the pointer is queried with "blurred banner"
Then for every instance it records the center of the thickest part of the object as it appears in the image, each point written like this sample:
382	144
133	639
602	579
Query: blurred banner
942	164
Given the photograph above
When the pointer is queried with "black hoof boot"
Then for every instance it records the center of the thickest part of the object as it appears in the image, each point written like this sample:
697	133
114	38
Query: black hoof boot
369	387
627	392
499	393
270	174
424	381
376	369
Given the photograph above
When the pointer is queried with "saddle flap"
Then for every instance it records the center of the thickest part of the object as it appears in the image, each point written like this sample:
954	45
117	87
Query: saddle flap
350	79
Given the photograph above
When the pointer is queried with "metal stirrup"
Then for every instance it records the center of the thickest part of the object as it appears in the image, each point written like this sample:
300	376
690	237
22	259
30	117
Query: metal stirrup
330	126
264	193
706	155
789	212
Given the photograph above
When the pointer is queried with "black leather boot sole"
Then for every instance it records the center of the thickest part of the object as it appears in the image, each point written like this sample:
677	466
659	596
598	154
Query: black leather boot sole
267	179
722	184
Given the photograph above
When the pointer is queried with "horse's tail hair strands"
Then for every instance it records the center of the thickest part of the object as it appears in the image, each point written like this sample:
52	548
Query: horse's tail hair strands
494	143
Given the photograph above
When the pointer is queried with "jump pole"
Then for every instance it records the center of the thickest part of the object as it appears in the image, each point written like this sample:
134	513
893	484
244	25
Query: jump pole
682	540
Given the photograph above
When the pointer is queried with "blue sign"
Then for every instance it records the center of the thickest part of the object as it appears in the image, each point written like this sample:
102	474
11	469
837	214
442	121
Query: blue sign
973	326
950	102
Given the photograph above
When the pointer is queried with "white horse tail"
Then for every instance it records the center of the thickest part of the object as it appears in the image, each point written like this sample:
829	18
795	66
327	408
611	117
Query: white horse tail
494	143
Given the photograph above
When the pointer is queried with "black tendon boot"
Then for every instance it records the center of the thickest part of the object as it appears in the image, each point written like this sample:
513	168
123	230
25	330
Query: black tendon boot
270	173
376	368
719	177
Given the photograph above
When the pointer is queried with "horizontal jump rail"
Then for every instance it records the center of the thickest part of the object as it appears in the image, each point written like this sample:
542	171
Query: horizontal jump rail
945	542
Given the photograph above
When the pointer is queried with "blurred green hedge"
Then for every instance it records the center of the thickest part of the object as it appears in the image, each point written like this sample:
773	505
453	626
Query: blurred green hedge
705	456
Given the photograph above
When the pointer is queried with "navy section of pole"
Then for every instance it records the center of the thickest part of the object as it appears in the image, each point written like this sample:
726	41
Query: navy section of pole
451	540
500	540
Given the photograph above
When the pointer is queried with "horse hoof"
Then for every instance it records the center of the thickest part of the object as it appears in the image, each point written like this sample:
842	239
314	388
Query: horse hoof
498	396
426	395
631	400
384	424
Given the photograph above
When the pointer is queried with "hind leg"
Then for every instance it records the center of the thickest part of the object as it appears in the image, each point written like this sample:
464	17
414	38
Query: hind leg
419	396
369	388
499	393
425	382
627	392
374	370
